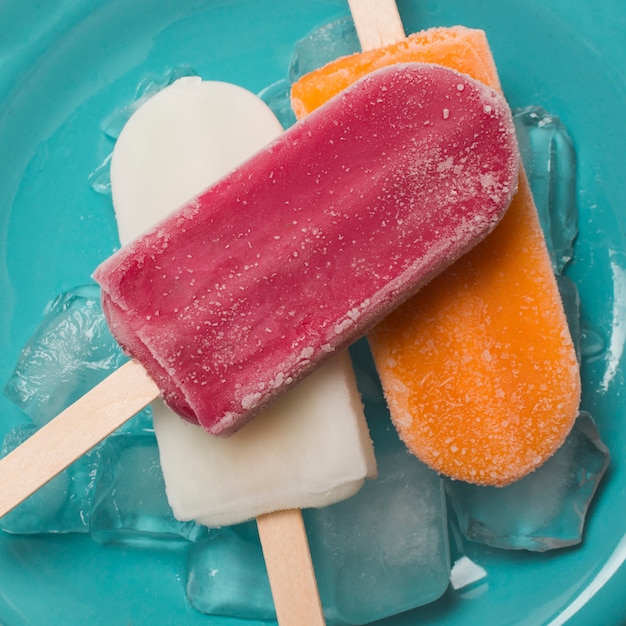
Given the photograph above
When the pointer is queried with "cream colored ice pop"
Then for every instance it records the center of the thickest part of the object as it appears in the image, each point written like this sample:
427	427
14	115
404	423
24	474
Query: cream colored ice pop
311	447
479	369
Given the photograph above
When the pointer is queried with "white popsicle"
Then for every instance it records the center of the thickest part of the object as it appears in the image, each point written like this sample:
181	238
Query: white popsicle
312	446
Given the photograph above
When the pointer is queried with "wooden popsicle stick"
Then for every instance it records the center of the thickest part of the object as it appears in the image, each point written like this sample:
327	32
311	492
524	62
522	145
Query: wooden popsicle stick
290	569
73	432
377	22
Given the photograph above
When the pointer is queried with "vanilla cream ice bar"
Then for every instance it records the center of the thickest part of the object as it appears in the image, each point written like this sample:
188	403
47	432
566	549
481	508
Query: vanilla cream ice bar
479	369
311	447
246	289
186	137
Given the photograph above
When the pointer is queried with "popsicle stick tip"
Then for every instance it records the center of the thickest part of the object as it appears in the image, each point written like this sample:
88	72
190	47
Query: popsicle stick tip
377	22
290	569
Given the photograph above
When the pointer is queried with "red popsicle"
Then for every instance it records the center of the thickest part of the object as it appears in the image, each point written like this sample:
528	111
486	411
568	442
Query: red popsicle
297	253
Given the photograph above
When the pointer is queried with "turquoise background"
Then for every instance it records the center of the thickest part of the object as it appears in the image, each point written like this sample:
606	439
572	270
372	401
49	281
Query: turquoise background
64	66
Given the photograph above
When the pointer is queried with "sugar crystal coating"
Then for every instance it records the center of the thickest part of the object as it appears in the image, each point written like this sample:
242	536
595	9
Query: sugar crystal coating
248	287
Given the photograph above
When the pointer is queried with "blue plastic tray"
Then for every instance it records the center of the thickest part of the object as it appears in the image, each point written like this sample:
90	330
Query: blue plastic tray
64	66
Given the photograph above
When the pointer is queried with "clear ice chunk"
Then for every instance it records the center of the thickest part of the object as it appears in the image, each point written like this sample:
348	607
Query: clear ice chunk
385	550
70	352
100	178
542	511
130	504
550	162
571	305
593	344
227	575
322	45
61	506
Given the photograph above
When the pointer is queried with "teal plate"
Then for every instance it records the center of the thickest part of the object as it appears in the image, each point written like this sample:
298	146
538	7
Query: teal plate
65	65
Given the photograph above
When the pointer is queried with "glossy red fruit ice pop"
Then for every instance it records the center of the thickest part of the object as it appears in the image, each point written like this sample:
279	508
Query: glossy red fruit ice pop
294	255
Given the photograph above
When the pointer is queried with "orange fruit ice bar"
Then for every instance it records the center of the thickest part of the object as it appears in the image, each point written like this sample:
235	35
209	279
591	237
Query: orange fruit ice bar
463	49
479	369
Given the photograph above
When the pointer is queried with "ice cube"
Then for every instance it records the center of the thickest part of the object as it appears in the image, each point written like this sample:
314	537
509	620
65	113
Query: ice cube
546	509
571	304
227	575
70	352
322	45
130	504
550	162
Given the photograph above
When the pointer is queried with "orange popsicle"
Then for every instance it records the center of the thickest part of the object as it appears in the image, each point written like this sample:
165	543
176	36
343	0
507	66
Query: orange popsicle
479	369
463	49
